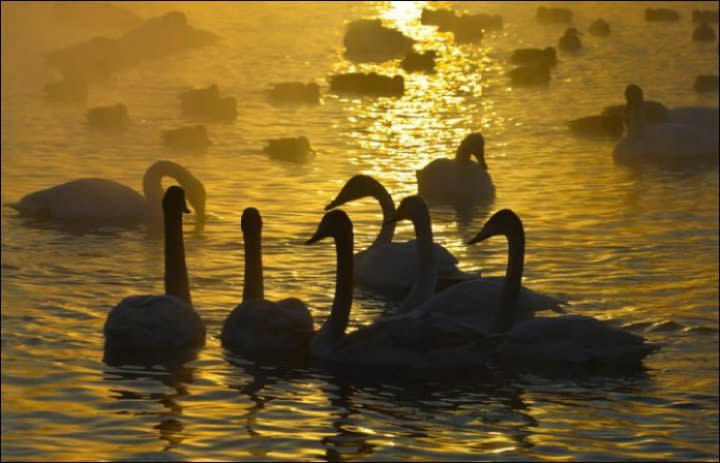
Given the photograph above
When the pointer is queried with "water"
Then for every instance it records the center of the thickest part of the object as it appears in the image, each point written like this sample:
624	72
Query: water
635	246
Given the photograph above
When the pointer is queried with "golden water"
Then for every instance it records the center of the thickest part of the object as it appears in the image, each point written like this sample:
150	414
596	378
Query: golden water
636	246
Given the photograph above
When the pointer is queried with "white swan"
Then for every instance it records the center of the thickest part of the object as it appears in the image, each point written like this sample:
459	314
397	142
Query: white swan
259	328
478	301
144	324
99	202
670	141
564	342
391	267
458	180
408	343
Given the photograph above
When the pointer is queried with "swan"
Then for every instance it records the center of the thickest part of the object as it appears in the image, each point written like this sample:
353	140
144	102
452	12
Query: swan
294	92
570	41
600	28
553	15
458	180
373	84
391	267
569	341
704	33
670	141
108	117
407	342
706	83
194	137
477	301
101	202
661	14
160	323
530	74
419	62
290	149
257	327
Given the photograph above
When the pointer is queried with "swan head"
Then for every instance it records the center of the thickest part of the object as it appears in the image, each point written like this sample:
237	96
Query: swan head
633	95
251	220
174	201
335	223
359	186
409	208
473	145
503	222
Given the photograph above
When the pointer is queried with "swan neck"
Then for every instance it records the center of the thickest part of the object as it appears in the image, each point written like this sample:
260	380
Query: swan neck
194	189
635	119
334	327
426	282
176	276
253	289
513	280
387	230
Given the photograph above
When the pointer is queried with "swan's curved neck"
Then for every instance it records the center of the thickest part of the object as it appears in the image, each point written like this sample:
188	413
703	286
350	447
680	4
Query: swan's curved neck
334	327
427	275
176	276
387	230
253	289
153	190
513	278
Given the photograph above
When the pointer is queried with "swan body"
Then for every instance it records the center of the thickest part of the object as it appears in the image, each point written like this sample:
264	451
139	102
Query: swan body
703	117
706	83
369	40
108	117
187	138
403	343
704	33
458	180
257	327
101	202
530	74
207	103
419	62
391	267
289	149
534	56
570	41
295	92
566	342
670	141
160	323
478	301
600	28
372	84
661	14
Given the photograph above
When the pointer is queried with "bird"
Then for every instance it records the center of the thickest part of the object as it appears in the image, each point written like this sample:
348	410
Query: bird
259	328
167	323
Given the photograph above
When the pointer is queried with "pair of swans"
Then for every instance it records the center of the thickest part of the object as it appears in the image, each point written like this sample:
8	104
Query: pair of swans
100	202
693	134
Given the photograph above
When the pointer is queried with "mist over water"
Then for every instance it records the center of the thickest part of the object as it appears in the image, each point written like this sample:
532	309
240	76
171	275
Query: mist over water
637	246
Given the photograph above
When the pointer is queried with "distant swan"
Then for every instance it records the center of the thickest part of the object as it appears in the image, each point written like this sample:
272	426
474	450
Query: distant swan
257	327
565	342
407	343
570	41
476	301
458	180
386	266
101	202
160	323
671	141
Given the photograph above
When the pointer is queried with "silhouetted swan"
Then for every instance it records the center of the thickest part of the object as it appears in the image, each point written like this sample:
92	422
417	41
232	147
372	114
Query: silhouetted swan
100	202
566	342
553	15
391	267
570	41
372	84
611	121
410	342
458	180
600	28
290	149
160	323
477	301
369	40
661	141
207	103
531	74
259	328
108	117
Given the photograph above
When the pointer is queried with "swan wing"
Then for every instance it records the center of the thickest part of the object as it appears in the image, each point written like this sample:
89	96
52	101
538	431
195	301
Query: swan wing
153	323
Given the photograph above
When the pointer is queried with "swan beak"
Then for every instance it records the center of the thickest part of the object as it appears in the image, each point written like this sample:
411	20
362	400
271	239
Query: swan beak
331	205
482	236
314	239
185	209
